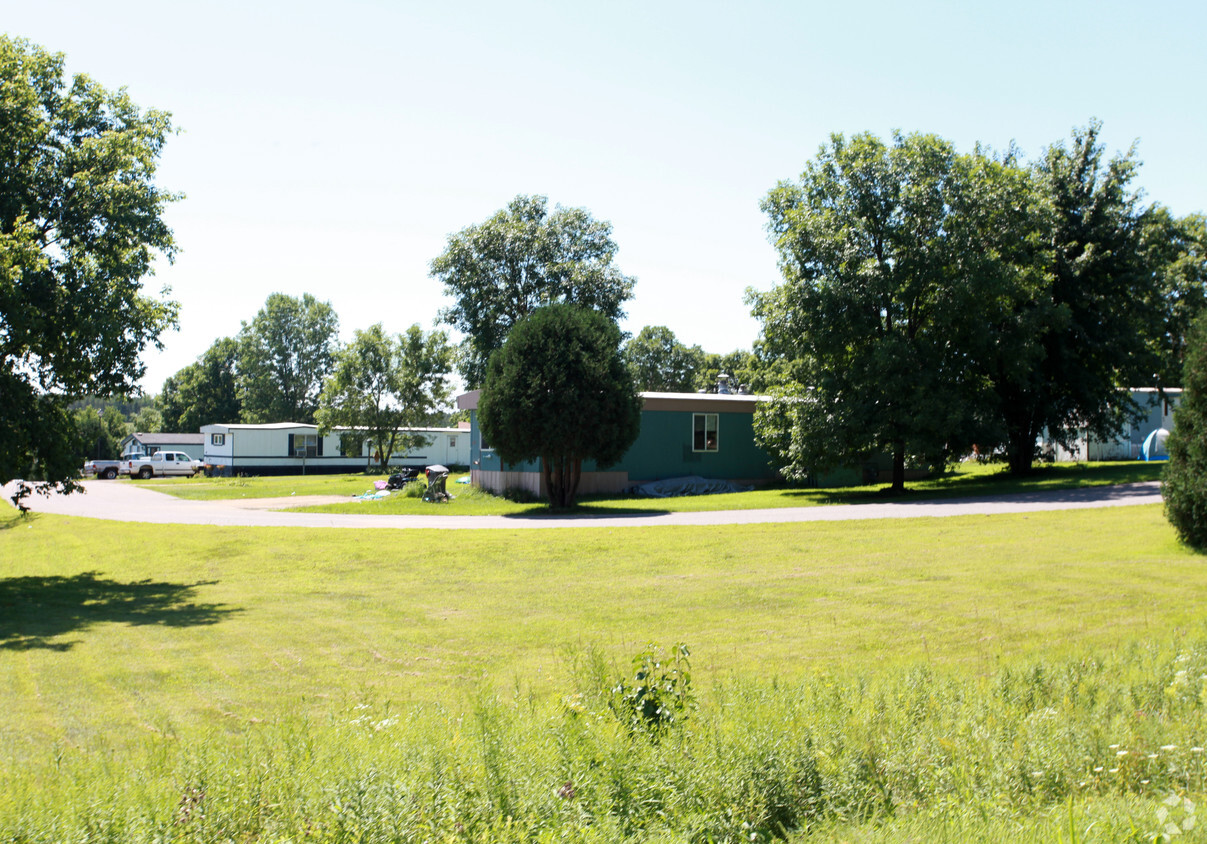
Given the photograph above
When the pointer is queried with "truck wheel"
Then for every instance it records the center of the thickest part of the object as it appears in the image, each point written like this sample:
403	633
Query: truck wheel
109	474
145	473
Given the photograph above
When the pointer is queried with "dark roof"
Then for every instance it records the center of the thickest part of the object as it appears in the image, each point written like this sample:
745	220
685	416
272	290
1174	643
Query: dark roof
169	439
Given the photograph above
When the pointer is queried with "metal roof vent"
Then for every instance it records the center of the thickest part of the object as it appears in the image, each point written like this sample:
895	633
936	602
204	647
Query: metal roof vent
723	384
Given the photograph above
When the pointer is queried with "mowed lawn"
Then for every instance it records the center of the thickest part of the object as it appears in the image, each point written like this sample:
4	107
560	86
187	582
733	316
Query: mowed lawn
113	633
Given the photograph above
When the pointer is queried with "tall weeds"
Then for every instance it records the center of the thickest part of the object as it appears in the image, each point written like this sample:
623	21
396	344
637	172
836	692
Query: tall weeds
921	750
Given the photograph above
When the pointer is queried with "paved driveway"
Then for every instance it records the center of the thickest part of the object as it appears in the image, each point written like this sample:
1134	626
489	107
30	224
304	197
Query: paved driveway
128	502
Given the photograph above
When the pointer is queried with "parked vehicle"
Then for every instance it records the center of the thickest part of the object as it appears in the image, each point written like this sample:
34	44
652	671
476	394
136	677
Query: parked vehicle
106	469
161	464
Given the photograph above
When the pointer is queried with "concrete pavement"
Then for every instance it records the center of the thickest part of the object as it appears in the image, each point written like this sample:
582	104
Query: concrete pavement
132	503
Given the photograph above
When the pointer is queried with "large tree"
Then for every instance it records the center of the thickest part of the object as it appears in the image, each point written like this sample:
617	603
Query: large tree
385	385
285	354
204	392
886	279
523	257
1175	251
660	363
559	391
81	223
1091	329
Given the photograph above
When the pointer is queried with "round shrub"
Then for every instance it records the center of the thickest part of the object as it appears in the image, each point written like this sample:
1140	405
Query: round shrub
1185	482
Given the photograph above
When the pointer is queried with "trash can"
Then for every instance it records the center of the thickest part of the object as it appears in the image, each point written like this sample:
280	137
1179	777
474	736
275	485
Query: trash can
437	476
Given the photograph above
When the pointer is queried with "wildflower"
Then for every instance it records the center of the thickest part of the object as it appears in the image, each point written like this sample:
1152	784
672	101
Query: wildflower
1113	771
1114	747
1120	753
1196	750
1098	770
1168	747
1152	756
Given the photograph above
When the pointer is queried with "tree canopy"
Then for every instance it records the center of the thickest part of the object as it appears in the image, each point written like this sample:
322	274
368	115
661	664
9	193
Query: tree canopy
285	354
1184	485
385	385
81	223
559	391
521	258
205	391
872	324
932	301
659	363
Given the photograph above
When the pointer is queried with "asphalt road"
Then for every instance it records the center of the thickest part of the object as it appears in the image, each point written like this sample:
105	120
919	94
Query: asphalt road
128	502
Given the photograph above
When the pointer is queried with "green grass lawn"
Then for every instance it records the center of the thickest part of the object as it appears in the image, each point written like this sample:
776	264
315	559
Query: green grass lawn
962	480
285	672
110	629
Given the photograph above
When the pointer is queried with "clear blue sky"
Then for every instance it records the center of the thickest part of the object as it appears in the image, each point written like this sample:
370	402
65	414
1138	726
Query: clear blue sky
332	148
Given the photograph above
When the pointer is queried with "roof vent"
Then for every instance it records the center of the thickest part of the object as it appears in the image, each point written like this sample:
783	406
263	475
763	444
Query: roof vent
723	383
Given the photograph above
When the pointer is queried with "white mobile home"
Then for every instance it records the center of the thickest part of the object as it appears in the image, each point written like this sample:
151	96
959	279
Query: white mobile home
1158	413
290	448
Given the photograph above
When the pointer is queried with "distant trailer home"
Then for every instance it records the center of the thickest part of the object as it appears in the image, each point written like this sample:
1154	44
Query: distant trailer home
682	434
144	445
1158	414
291	448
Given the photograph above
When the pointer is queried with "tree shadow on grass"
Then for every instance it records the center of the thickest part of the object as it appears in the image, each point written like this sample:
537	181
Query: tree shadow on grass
36	611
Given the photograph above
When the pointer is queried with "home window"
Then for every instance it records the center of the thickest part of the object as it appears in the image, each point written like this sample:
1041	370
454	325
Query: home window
217	439
304	445
452	442
704	432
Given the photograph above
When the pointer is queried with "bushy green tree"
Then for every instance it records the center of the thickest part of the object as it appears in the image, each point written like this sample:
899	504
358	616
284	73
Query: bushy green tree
559	391
523	257
740	365
660	363
887	287
81	223
1092	330
1175	251
100	433
204	392
385	385
285	355
1184	486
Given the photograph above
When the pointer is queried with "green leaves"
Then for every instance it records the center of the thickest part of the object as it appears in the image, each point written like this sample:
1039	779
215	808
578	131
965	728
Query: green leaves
285	354
521	258
385	384
933	300
81	222
1184	485
559	391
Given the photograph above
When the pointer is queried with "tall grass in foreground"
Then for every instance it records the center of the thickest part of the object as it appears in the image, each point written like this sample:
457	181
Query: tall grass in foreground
1079	749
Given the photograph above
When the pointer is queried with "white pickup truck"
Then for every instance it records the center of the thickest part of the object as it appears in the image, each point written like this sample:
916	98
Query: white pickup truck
161	464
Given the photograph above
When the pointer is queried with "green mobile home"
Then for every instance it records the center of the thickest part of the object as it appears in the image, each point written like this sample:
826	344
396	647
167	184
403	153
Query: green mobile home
705	434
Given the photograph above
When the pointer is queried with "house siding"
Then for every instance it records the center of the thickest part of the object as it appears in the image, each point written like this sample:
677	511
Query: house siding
265	450
663	449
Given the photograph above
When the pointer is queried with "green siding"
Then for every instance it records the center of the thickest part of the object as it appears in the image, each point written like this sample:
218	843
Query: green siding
664	449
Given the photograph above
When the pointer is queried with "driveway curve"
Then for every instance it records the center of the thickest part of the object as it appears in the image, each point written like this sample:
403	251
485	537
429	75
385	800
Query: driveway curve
130	503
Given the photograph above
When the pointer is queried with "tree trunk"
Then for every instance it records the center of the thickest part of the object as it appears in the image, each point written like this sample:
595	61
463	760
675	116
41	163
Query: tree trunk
547	477
1020	450
561	476
898	467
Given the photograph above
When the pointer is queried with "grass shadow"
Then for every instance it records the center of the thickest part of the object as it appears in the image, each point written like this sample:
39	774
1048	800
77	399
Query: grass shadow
36	611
